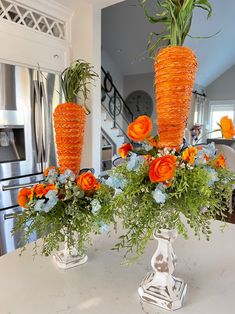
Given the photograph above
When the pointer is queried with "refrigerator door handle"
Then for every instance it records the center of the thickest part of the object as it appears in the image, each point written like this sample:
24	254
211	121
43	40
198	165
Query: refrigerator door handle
46	123
38	120
11	216
19	186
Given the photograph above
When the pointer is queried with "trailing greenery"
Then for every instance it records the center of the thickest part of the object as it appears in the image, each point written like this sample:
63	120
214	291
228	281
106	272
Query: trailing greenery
176	15
76	79
189	195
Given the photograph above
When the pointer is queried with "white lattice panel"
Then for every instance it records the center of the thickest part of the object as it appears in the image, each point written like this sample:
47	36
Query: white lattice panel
19	14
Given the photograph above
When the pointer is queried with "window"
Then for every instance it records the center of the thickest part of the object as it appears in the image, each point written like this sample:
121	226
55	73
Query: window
219	109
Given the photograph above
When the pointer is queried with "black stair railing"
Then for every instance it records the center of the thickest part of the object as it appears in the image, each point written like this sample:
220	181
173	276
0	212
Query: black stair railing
114	104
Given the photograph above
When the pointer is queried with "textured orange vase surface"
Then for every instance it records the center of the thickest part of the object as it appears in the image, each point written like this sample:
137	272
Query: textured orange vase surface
175	69
69	122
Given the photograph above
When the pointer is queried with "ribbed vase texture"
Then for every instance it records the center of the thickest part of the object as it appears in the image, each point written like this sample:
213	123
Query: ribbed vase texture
175	69
69	122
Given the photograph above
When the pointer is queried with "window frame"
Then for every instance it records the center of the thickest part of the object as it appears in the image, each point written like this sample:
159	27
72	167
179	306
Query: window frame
216	104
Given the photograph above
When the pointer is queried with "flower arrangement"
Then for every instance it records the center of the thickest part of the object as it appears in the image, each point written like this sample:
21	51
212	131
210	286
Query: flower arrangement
156	186
61	206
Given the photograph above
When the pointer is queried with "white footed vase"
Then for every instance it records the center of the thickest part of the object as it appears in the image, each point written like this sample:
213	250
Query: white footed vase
69	258
160	287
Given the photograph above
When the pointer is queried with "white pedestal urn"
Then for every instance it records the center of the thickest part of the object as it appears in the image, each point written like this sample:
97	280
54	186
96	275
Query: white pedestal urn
159	287
69	258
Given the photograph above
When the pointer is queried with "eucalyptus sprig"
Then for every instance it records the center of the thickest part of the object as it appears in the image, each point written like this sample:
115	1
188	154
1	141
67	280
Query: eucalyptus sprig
76	79
176	15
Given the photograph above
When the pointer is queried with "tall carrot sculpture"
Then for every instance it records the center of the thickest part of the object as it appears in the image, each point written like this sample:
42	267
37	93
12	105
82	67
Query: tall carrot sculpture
175	67
70	117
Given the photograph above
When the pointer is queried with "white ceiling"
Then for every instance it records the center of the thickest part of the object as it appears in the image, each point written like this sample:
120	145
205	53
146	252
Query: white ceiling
125	31
73	4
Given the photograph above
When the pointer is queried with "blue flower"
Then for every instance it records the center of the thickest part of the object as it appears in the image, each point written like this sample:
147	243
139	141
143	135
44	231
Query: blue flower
162	187
116	182
68	174
213	176
147	147
104	228
39	206
208	150
52	176
95	206
118	191
51	194
135	162
46	205
159	196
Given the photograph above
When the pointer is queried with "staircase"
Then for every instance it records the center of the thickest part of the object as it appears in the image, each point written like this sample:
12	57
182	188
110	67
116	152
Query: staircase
115	118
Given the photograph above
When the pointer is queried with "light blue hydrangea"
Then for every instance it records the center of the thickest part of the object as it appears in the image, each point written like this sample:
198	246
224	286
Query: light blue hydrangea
52	176
118	191
68	174
95	206
39	206
159	196
104	228
147	147
46	205
213	176
135	162
51	194
208	150
162	187
116	182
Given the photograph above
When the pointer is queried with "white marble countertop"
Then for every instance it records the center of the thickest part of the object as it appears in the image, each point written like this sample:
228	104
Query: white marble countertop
102	286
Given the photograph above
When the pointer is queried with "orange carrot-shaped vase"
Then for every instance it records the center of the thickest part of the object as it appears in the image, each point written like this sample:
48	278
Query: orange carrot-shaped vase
175	69
175	66
70	117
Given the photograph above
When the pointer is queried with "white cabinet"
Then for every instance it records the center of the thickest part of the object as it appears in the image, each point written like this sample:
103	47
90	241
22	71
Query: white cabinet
23	45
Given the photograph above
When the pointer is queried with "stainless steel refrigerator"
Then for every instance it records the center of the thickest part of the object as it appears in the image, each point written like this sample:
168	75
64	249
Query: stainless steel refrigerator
27	100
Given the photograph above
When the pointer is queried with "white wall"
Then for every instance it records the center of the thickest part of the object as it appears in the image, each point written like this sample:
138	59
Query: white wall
86	44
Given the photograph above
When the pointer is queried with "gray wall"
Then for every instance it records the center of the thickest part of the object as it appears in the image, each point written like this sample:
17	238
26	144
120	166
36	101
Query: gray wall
223	88
110	66
144	82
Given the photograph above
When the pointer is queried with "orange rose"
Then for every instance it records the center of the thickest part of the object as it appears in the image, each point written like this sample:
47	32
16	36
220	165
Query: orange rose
124	150
49	187
227	127
140	129
189	155
39	190
162	169
220	161
87	182
24	196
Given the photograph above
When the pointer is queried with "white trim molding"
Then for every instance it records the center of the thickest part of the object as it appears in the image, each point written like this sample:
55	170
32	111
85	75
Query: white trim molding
49	7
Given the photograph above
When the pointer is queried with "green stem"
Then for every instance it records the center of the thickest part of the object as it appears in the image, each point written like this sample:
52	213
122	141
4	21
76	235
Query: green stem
206	134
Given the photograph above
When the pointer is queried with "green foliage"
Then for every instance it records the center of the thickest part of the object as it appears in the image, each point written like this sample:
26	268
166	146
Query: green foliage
189	196
76	78
65	220
176	15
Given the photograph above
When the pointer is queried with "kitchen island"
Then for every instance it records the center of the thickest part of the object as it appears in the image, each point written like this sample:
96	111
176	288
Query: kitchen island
33	285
